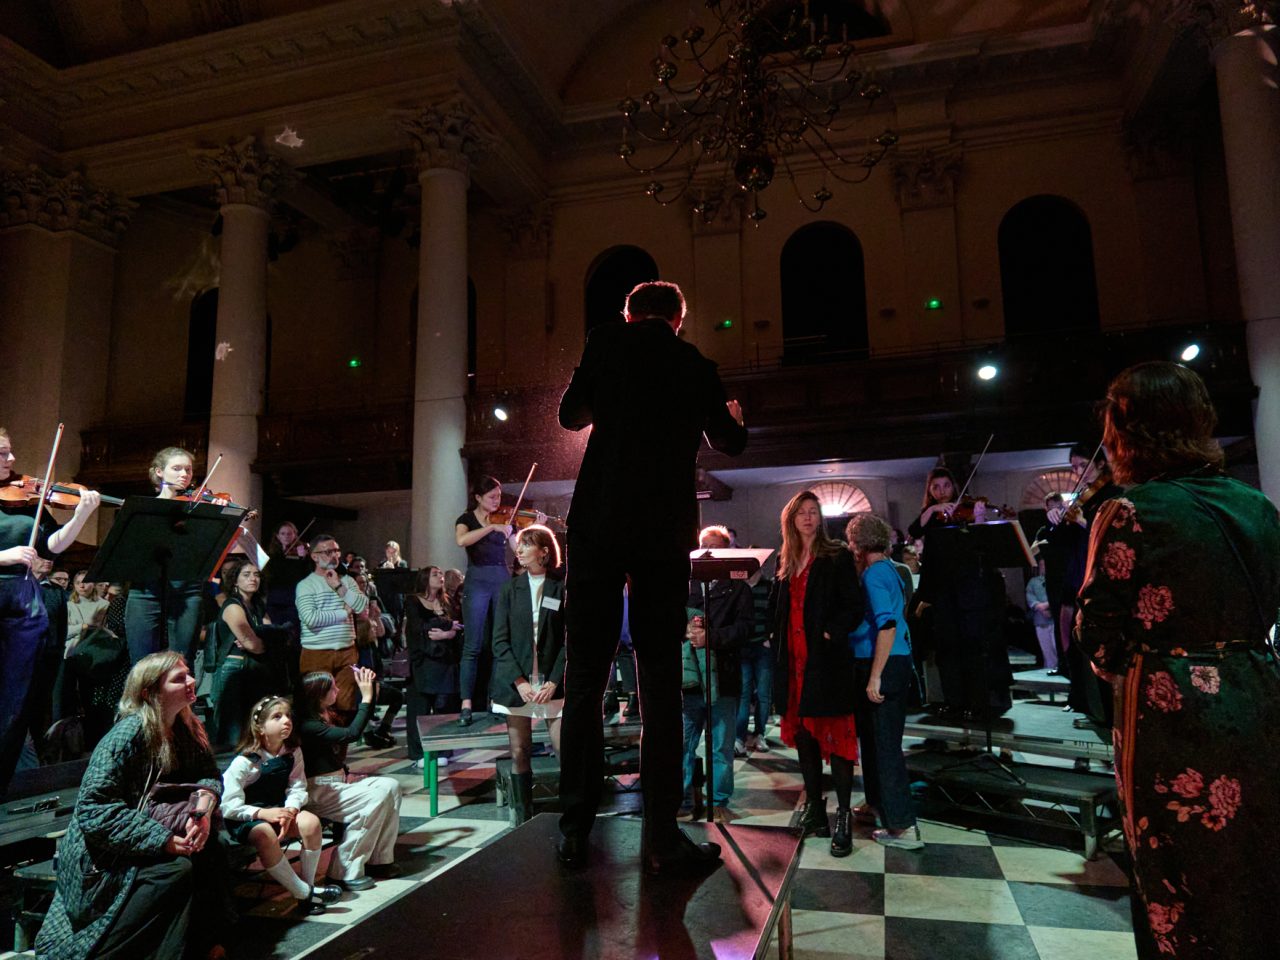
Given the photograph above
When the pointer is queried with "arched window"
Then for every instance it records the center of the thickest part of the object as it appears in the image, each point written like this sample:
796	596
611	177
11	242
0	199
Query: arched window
609	280
1046	268
1062	480
824	292
202	337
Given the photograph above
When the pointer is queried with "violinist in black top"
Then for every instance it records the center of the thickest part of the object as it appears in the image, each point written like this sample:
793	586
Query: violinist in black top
24	621
966	600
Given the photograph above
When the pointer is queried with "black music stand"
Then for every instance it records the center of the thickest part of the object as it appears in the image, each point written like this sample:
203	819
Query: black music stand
1000	544
706	567
161	540
396	580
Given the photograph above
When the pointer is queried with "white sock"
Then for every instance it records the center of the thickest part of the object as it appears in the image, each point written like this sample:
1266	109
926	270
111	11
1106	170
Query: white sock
283	874
310	860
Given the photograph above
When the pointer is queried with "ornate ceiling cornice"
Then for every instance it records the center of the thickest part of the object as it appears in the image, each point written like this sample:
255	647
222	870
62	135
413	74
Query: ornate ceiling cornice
57	203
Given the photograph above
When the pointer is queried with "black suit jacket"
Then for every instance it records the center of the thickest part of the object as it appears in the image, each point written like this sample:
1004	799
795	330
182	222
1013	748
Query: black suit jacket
513	639
649	398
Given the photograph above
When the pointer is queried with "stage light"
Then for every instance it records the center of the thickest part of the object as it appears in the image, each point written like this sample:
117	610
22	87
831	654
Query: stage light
501	413
933	303
354	362
1190	352
988	371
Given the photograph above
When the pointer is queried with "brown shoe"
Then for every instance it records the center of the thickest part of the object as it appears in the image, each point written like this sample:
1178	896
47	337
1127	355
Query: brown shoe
722	815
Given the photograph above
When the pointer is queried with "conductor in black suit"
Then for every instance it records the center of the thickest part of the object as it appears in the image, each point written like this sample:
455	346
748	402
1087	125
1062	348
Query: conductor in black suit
649	398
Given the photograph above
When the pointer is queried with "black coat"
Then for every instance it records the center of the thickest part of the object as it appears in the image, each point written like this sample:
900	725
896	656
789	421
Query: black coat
833	605
728	629
433	664
649	397
513	639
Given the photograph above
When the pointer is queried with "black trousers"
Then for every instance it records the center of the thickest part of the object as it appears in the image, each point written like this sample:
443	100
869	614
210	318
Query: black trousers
154	920
658	575
880	725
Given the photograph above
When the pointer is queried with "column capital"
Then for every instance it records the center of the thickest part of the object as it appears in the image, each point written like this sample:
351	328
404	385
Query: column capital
1213	21
528	230
244	172
926	178
62	202
446	136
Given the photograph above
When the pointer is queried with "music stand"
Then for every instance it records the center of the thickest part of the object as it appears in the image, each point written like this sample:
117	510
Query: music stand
707	566
999	544
397	580
162	540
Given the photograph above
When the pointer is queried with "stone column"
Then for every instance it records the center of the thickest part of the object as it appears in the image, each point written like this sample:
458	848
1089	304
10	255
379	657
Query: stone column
247	179
446	137
1249	97
58	239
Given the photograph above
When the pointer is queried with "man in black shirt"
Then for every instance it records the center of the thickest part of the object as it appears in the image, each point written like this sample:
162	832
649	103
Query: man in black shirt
649	397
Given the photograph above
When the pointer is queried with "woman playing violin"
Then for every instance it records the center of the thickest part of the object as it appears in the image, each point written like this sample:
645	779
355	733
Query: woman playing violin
290	564
487	572
24	622
961	601
171	472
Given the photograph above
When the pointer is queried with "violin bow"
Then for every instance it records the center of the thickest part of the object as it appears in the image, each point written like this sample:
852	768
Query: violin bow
520	499
974	471
205	485
48	476
1080	484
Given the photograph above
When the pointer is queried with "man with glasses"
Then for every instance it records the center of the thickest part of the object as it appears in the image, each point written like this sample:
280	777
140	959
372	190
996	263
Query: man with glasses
327	607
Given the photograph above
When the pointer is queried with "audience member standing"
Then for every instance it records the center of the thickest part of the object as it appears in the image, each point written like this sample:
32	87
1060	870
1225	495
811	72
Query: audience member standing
327	607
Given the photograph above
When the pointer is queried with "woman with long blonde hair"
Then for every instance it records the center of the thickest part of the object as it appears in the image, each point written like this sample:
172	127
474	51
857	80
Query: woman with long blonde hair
816	603
126	882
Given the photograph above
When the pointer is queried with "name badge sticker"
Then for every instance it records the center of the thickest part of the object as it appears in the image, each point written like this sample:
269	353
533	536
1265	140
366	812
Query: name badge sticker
550	603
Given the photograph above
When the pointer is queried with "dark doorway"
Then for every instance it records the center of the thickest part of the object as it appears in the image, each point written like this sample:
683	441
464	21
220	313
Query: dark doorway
613	275
1046	269
202	341
824	292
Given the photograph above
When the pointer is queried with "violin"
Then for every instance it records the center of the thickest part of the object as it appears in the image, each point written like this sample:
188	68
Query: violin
221	499
519	518
1075	512
25	491
966	510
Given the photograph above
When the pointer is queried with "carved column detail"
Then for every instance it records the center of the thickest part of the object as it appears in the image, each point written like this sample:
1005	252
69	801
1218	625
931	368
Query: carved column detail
1215	20
56	203
924	179
446	136
528	230
244	172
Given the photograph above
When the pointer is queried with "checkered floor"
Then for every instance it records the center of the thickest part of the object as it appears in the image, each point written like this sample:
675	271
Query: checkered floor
966	895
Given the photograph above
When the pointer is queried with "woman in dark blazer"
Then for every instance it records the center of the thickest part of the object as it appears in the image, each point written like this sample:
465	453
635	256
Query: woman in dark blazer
816	603
523	688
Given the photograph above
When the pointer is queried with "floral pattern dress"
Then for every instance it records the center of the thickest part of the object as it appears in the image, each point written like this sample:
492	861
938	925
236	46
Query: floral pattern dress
1168	611
835	735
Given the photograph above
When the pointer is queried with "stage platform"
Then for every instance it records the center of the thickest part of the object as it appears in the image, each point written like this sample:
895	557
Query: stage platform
513	900
1042	683
441	732
1030	727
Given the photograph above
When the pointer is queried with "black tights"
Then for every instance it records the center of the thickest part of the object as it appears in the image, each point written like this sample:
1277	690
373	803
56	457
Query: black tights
810	754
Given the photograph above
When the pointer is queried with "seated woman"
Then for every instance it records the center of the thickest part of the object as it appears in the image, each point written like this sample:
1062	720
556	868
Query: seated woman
126	884
435	647
369	807
528	657
884	673
249	661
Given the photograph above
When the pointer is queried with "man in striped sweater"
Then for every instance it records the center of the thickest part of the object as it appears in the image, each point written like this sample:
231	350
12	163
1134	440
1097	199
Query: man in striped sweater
328	604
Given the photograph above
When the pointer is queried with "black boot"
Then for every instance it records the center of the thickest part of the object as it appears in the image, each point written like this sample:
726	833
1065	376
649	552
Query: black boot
521	798
814	821
842	839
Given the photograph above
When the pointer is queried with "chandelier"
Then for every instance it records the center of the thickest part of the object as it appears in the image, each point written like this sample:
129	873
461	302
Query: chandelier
772	89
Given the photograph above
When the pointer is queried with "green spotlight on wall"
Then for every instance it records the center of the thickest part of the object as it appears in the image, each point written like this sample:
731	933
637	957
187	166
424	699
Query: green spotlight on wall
725	324
933	303
354	362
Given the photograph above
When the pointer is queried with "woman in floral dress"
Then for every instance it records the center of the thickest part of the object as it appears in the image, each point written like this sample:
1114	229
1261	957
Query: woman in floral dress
1183	584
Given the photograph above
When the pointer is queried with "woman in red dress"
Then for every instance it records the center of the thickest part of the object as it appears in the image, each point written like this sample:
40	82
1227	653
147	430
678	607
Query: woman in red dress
816	603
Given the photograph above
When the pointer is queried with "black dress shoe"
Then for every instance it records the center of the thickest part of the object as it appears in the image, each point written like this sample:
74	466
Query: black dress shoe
679	857
311	906
353	886
326	893
571	851
383	871
379	741
464	718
